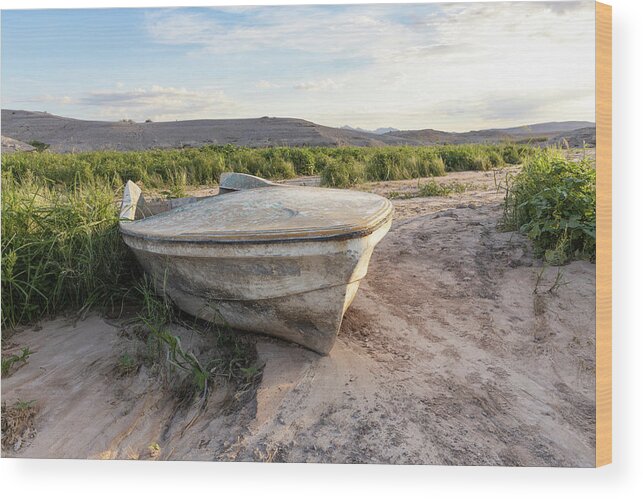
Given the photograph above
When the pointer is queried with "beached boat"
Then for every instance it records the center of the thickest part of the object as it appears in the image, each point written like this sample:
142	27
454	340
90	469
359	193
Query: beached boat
281	260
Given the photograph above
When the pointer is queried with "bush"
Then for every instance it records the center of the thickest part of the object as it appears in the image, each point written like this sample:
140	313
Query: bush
466	157
553	201
511	155
39	146
385	165
203	166
303	160
61	249
424	163
495	159
341	173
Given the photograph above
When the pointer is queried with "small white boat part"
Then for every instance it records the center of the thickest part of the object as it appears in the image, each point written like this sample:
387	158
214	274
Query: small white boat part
280	260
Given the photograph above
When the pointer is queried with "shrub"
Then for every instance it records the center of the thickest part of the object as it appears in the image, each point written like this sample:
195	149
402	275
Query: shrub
201	166
495	159
466	157
430	164
386	165
303	160
341	173
61	249
38	145
277	168
511	155
553	201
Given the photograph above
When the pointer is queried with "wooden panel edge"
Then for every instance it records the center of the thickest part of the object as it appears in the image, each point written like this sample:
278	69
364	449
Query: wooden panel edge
603	234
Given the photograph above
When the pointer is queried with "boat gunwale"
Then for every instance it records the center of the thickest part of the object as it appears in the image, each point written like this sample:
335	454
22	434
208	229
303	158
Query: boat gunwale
231	239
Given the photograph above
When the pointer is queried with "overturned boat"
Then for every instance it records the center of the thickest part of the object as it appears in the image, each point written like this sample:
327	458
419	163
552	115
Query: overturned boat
276	259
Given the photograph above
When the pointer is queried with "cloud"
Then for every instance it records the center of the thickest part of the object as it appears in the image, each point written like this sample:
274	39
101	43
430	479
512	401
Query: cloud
455	66
480	65
319	85
311	29
565	7
62	100
267	85
175	27
498	108
158	102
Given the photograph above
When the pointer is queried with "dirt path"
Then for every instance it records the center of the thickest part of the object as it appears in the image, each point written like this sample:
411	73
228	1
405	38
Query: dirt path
458	349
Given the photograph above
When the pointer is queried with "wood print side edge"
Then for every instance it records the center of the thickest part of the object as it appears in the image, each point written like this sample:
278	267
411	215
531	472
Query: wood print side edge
603	234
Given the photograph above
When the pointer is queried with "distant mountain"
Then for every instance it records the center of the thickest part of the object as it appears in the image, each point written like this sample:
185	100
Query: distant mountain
552	127
539	133
68	134
380	131
377	131
582	137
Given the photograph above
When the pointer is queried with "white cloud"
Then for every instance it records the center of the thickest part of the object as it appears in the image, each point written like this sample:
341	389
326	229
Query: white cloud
179	28
304	28
453	66
63	100
159	103
318	85
498	61
267	85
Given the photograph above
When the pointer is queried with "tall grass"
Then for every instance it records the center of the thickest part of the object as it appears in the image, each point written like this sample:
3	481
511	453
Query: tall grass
336	173
60	249
553	201
203	166
404	163
231	358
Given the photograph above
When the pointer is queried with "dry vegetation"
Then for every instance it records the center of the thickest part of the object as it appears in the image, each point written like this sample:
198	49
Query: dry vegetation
17	424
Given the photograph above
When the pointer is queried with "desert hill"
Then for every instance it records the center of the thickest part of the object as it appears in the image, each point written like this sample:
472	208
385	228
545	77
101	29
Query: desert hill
68	134
552	132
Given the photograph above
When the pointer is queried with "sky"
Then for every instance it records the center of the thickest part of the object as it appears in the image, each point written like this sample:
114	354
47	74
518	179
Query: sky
456	67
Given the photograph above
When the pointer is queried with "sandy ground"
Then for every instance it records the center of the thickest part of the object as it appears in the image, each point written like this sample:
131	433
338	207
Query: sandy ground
458	349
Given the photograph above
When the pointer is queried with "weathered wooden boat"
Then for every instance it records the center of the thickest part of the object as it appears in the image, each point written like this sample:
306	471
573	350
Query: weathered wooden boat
281	260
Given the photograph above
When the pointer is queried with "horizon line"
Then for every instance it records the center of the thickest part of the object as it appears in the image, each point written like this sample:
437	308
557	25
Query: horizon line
356	128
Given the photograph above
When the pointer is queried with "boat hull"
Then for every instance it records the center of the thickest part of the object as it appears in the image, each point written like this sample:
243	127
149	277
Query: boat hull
294	290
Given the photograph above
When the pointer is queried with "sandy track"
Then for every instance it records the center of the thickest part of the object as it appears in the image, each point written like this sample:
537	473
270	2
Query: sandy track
454	351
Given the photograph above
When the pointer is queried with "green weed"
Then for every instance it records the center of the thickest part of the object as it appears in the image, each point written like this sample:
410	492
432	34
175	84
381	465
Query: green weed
126	365
9	361
337	173
553	201
231	359
40	146
433	188
176	168
61	249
